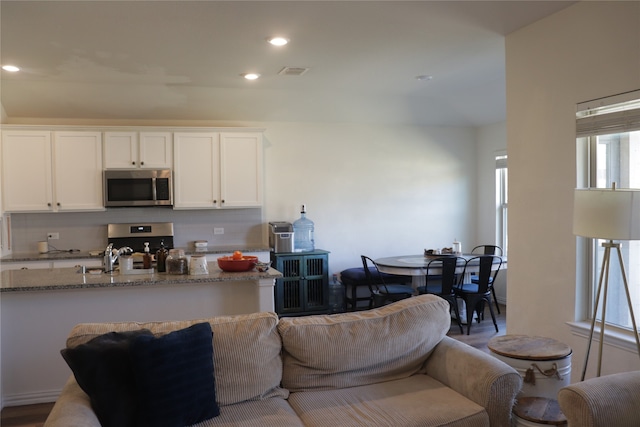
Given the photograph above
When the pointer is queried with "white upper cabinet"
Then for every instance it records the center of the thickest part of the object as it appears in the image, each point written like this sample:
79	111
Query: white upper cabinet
241	169
45	171
217	170
26	171
77	168
196	170
129	150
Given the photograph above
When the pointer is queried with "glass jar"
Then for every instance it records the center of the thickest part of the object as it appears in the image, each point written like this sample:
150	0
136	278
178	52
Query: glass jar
176	262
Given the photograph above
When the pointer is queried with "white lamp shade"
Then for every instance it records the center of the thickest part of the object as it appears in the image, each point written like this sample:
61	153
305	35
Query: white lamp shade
604	213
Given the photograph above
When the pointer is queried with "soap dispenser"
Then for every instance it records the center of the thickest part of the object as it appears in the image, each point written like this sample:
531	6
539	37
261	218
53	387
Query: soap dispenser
146	258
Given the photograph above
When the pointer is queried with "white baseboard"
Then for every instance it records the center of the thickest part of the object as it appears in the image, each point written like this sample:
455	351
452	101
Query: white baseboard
30	398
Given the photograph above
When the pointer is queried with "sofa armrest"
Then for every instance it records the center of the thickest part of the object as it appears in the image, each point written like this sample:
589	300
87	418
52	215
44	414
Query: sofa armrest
72	409
611	400
478	376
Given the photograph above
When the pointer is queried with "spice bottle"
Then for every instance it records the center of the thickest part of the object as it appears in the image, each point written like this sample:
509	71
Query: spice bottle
161	257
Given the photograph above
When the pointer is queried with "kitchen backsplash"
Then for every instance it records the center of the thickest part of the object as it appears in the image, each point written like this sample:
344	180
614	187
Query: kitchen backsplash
88	230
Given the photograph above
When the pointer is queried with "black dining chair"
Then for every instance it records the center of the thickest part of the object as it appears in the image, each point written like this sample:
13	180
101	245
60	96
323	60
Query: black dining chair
476	294
381	292
487	250
441	279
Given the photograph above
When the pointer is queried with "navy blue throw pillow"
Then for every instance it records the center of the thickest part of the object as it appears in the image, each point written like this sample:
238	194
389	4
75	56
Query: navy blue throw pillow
175	378
102	368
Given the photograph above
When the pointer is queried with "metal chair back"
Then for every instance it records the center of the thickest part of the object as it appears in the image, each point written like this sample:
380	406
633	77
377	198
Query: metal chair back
448	267
487	250
488	268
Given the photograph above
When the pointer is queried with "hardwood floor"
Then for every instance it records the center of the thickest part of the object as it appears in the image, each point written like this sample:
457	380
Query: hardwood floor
25	416
481	333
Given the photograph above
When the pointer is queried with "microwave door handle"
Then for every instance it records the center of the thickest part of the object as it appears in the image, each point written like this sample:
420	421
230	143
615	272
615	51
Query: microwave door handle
153	189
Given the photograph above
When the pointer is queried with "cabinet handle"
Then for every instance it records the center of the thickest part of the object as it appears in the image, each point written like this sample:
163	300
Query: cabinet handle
141	163
133	163
58	203
222	200
49	204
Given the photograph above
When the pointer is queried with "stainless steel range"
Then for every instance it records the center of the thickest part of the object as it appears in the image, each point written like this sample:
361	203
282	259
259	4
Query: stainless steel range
134	235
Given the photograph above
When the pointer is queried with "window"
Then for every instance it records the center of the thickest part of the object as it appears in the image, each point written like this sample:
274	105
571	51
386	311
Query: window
608	133
501	201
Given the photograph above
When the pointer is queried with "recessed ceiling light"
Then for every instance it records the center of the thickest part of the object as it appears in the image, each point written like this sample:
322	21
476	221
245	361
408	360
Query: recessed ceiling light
424	77
10	68
278	41
250	76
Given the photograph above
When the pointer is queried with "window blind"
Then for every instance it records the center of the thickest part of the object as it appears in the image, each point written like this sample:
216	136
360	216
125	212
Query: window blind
616	114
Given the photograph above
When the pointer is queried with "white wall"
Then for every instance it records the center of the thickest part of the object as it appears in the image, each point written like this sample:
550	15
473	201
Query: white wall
374	190
587	51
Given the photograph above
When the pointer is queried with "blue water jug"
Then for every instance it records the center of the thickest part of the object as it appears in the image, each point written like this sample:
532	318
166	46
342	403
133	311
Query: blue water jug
303	233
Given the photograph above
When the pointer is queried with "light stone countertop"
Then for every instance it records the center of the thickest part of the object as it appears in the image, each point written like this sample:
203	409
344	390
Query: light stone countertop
67	255
50	279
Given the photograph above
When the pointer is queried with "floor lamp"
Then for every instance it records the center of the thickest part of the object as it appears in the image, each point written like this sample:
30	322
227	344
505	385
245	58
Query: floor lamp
611	214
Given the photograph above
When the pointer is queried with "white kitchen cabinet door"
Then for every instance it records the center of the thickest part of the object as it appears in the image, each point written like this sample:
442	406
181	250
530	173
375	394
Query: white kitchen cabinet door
155	150
131	150
26	171
77	171
196	177
241	170
120	150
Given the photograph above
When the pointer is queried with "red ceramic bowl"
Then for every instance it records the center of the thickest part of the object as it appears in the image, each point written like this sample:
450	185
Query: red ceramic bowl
227	263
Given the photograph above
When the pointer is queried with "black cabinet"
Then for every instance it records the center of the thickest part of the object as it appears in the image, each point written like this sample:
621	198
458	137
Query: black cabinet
304	287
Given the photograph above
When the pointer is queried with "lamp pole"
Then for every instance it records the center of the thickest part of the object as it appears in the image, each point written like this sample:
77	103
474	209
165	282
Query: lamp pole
603	285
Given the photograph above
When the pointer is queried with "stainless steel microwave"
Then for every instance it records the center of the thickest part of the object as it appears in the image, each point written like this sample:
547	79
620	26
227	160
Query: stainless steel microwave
138	187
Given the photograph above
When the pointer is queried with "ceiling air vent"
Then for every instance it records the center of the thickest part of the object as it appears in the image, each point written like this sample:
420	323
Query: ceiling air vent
293	71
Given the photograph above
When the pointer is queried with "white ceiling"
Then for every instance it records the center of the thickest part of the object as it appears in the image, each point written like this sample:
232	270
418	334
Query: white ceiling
181	60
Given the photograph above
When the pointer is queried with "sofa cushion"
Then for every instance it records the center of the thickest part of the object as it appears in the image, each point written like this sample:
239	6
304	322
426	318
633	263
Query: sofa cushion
418	400
103	370
354	349
247	352
174	377
274	411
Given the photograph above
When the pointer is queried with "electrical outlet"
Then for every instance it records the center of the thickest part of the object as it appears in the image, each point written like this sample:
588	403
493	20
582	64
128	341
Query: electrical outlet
53	236
218	230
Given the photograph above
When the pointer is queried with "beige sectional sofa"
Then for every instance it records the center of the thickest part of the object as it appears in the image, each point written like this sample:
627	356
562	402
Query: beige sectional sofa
391	366
610	400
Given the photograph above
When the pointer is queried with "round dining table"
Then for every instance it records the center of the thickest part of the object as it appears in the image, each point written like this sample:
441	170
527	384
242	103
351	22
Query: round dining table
416	266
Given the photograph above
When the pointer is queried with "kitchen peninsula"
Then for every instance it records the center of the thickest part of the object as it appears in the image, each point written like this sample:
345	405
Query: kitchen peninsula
38	307
57	279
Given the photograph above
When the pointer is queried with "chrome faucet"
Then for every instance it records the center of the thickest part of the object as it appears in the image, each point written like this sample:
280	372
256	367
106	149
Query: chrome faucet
110	257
